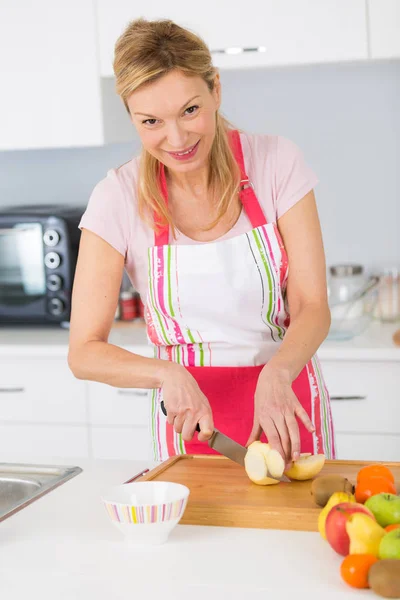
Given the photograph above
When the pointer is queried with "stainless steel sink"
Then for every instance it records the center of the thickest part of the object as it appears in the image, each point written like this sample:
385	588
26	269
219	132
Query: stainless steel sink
22	484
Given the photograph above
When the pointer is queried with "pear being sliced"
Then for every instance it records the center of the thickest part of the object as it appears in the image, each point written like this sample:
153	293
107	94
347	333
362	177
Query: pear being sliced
306	467
256	467
275	462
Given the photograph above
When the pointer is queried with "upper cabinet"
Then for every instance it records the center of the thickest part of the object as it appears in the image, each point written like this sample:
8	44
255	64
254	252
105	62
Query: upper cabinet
384	28
50	84
251	33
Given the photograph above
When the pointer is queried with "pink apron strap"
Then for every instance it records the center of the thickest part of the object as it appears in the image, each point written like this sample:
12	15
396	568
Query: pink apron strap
161	235
247	195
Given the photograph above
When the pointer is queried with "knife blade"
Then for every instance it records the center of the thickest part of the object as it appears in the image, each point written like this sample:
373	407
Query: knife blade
228	447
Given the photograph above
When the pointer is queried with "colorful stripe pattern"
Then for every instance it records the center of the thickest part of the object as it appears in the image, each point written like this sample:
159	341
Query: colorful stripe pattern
321	415
139	515
270	257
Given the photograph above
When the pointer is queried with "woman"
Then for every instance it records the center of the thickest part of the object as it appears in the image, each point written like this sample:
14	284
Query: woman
206	223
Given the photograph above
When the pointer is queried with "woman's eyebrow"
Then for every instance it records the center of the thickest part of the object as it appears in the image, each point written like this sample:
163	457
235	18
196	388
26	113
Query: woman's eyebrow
153	117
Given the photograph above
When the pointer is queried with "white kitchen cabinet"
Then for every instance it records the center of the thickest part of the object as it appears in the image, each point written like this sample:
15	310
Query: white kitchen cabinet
125	443
32	443
50	84
384	28
369	447
365	408
289	31
40	390
118	406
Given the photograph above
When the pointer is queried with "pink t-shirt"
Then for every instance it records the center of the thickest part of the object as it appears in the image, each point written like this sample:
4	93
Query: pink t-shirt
274	165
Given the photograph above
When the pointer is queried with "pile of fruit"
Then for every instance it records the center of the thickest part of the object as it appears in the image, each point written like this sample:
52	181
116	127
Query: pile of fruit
362	523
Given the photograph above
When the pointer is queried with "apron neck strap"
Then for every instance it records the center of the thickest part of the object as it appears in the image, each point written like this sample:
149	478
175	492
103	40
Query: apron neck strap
246	191
247	195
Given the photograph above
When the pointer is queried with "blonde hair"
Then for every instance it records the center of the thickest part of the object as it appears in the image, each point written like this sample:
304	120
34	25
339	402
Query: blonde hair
145	52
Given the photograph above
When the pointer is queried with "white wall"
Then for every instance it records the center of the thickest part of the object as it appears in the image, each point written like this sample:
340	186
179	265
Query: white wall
346	119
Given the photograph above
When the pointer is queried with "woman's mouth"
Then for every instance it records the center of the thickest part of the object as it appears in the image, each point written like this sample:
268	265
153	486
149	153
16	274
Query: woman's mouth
185	154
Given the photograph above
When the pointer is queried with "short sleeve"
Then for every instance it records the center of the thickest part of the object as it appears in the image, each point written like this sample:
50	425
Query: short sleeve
294	178
106	214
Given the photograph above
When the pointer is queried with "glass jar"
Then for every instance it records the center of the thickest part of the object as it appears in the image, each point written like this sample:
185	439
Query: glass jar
351	312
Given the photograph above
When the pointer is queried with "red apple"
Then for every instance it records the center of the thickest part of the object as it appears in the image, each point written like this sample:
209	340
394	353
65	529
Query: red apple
335	525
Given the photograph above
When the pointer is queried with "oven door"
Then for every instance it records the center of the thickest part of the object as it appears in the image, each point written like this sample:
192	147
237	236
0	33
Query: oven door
23	294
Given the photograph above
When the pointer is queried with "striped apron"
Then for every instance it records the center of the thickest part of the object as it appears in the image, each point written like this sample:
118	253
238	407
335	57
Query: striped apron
219	309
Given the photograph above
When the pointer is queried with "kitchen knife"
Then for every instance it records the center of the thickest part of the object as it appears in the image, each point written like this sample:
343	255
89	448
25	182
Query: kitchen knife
222	444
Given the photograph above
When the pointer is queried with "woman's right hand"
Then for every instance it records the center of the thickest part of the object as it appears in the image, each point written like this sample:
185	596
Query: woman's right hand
185	403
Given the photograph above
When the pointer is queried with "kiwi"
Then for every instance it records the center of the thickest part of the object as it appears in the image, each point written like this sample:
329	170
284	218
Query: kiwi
384	578
323	487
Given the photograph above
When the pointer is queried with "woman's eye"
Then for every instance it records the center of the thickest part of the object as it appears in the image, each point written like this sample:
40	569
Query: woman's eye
191	110
149	121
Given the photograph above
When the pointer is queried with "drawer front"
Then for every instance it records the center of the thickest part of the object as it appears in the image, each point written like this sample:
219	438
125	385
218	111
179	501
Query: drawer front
121	443
41	390
364	395
118	406
32	443
351	446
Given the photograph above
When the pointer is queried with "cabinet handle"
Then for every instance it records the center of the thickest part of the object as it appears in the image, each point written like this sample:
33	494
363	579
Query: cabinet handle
132	392
11	390
348	397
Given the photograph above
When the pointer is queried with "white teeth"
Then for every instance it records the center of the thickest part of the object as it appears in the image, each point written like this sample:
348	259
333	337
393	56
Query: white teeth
183	153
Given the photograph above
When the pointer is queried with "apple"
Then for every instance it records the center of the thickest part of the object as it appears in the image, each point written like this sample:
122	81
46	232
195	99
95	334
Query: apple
385	508
390	545
335	525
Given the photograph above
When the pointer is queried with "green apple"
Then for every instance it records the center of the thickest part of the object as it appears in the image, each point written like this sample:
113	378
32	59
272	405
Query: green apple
385	508
389	546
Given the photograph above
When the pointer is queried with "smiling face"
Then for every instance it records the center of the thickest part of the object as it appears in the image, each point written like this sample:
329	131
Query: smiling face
175	119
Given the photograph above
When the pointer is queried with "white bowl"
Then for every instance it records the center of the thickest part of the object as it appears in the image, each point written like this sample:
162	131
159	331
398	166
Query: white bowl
146	512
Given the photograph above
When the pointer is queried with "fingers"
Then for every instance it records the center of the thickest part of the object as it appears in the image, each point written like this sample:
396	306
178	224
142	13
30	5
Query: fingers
206	428
186	423
281	426
303	416
188	428
273	436
294	434
255	434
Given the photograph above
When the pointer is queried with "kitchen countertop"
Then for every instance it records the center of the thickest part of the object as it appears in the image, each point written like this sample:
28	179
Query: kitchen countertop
64	546
375	343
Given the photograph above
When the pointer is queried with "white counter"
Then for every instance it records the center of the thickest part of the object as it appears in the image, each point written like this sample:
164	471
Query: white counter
63	546
376	343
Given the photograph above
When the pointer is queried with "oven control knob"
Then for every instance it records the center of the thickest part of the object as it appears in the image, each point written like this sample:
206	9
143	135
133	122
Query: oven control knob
54	282
51	237
52	260
56	307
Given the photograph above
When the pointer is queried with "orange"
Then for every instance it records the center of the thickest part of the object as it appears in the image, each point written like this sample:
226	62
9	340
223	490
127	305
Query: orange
370	486
375	471
391	527
354	569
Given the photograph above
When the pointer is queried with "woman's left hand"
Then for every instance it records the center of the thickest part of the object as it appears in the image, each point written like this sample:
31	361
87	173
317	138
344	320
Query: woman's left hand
275	410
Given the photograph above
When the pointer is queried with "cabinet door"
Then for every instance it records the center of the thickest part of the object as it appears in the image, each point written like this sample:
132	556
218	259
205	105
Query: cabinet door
50	82
351	446
288	32
44	443
41	390
118	406
121	443
384	28
364	396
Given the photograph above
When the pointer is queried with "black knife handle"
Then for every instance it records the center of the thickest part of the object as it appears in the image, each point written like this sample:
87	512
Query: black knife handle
165	413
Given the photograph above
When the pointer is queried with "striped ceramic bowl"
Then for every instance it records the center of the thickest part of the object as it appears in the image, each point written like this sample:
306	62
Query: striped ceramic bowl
146	512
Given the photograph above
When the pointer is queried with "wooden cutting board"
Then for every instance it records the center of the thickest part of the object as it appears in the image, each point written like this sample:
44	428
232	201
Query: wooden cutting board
221	494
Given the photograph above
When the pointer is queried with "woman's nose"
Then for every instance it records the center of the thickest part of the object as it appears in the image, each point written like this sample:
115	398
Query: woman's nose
176	138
